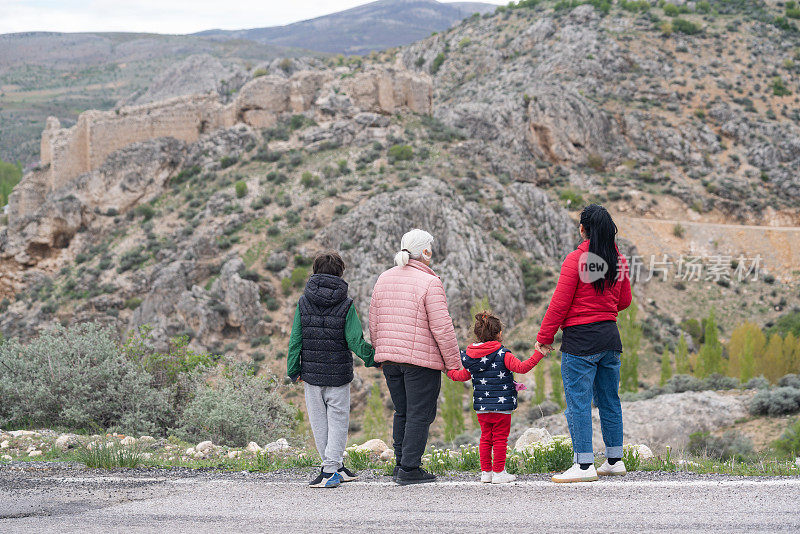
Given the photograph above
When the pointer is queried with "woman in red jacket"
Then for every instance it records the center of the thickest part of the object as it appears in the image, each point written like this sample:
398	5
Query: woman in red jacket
592	288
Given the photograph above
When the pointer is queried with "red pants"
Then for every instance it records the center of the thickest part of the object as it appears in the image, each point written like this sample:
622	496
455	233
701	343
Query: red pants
494	437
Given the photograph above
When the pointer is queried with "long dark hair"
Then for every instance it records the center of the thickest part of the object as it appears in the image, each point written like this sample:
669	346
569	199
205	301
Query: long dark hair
601	231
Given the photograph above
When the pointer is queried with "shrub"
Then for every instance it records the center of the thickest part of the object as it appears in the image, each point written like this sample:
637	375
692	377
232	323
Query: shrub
791	380
146	211
133	303
532	275
789	442
779	401
259	72
400	153
758	382
685	26
78	377
718	381
437	62
298	276
571	198
681	383
671	10
237	409
779	88
678	230
241	188
730	445
309	180
132	258
228	161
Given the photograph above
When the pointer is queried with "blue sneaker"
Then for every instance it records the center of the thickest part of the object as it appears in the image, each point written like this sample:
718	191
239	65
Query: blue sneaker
326	480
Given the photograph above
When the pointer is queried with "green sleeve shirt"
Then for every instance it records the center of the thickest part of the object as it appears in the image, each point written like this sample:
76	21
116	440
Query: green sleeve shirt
353	334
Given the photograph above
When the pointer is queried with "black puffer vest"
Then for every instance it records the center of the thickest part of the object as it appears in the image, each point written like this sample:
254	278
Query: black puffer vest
494	388
325	359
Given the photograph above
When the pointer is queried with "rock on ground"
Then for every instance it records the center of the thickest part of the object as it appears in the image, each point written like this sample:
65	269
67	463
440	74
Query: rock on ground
531	436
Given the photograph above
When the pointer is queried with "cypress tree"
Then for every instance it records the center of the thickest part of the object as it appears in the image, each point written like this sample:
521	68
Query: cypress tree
631	334
682	366
666	367
710	356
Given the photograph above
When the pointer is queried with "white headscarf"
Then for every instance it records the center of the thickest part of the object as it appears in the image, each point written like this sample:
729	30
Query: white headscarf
412	245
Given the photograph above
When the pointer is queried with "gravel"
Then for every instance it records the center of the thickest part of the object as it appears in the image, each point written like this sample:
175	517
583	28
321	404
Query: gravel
46	497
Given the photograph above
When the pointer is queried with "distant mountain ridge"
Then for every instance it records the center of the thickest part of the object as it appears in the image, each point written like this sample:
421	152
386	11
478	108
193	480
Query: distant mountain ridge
374	26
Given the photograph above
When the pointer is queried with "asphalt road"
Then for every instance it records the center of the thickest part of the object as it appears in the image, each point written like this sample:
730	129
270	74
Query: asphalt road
83	501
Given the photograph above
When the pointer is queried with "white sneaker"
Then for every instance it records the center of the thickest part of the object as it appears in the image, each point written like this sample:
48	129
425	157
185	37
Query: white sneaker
576	474
608	470
503	477
486	477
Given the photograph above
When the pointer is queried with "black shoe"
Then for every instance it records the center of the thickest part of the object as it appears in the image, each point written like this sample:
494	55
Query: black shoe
414	476
326	480
346	474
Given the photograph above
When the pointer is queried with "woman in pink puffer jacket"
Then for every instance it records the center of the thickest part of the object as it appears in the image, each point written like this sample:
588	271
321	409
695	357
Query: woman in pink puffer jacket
414	338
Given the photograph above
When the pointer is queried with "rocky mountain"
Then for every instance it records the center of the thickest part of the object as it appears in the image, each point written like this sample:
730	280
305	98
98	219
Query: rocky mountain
373	26
198	215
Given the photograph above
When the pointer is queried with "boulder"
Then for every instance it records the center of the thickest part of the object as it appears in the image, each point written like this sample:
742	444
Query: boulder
4	444
66	441
377	446
667	419
278	445
387	455
204	446
532	436
147	439
253	447
6	457
127	440
34	453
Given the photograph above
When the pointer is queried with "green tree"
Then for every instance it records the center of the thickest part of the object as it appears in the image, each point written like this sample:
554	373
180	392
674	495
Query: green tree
538	378
452	409
630	332
744	348
710	355
10	176
557	386
666	367
682	366
374	420
770	364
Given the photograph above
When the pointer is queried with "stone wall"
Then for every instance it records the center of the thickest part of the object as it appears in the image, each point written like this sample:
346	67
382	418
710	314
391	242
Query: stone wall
69	152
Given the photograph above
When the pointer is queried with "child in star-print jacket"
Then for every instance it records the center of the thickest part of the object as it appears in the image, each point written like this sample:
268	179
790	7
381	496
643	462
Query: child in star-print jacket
491	368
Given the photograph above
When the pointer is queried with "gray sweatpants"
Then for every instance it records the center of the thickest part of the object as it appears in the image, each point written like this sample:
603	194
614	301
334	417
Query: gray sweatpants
329	414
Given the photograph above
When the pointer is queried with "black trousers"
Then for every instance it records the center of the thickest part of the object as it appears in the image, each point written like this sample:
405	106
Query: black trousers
415	392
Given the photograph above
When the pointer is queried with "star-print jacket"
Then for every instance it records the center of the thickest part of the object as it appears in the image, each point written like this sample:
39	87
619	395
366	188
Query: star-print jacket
491	367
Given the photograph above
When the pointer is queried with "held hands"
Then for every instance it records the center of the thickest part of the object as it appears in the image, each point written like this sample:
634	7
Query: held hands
544	349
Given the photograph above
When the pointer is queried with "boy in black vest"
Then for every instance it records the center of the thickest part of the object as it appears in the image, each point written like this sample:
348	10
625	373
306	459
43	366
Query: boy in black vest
326	328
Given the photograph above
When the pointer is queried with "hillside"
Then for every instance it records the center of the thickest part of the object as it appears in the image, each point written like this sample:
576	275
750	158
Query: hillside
374	26
199	215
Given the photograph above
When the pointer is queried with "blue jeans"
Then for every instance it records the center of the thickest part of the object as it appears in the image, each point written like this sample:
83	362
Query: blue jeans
586	377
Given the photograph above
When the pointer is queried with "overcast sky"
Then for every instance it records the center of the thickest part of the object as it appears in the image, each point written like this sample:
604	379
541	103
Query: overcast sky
162	16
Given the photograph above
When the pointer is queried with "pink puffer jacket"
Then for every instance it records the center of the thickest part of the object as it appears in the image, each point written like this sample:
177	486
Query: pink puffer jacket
409	321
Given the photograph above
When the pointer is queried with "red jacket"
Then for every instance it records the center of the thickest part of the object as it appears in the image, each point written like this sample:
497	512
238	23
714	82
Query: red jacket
576	302
479	350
